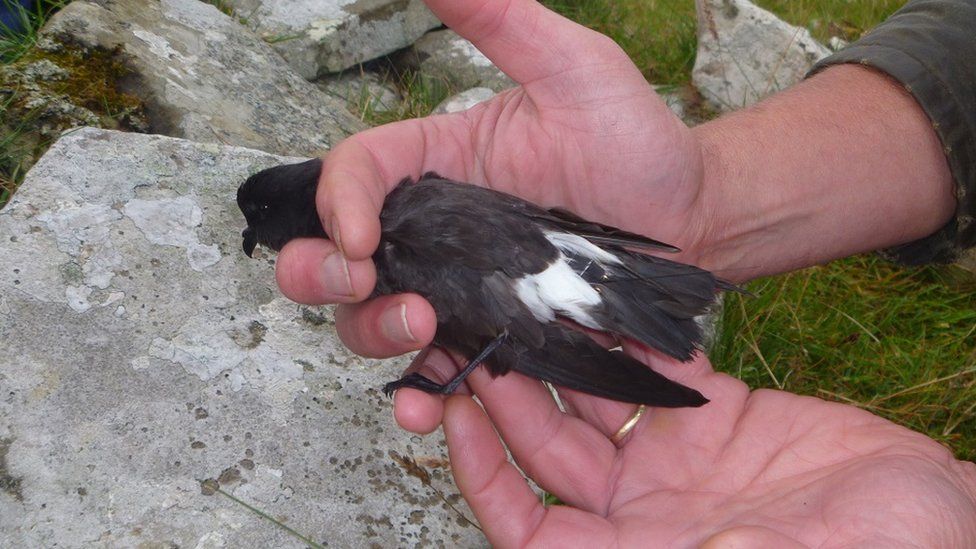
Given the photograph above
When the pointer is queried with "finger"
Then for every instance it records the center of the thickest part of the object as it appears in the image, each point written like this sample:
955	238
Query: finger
606	416
312	271
610	416
510	514
523	38
420	412
508	510
686	442
359	172
387	326
563	454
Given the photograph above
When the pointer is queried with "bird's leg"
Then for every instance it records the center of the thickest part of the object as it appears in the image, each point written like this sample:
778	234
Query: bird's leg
417	381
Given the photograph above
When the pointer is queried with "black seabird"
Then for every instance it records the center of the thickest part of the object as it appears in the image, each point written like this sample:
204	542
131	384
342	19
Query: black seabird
501	272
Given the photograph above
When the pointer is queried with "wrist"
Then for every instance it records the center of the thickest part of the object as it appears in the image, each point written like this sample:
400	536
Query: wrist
842	163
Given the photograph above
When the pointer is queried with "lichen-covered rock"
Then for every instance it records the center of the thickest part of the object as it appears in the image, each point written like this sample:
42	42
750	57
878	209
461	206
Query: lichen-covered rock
155	382
446	56
746	53
464	100
323	36
205	77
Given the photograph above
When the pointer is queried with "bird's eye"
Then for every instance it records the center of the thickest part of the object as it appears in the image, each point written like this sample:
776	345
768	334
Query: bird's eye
265	207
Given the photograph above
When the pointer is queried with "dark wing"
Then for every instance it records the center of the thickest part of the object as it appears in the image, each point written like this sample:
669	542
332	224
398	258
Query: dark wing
602	235
571	359
559	218
651	299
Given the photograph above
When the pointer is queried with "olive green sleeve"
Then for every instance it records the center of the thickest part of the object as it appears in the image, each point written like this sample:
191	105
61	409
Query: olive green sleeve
929	46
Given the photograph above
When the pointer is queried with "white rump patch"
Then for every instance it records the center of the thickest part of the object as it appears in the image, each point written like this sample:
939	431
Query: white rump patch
559	290
576	245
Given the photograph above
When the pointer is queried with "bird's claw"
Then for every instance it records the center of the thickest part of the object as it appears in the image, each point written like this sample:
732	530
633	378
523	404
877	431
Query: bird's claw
414	381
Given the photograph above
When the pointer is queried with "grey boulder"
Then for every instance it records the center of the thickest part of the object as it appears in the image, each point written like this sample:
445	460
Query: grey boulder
746	53
447	57
205	77
158	391
323	36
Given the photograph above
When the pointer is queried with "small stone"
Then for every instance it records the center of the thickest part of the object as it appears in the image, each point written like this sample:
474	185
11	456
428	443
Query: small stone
837	43
464	100
45	69
746	53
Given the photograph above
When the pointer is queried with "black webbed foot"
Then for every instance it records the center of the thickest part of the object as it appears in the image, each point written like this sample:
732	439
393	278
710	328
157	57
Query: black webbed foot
416	381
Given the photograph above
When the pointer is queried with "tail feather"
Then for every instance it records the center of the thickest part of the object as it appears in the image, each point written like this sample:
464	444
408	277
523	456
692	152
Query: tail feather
635	311
573	360
655	301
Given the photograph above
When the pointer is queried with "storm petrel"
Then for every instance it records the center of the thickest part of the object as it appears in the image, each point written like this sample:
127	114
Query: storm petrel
503	275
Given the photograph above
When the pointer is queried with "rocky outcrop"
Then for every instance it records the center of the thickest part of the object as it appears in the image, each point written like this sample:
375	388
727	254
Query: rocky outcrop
203	76
746	53
446	57
156	384
322	36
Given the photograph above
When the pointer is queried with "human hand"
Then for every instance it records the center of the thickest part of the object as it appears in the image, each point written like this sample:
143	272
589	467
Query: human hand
760	469
583	131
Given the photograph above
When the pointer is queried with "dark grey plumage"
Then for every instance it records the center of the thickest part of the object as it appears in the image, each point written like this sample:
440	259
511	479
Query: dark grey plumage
483	258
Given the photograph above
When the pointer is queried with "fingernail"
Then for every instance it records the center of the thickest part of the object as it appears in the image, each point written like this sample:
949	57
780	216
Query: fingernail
335	275
393	323
335	235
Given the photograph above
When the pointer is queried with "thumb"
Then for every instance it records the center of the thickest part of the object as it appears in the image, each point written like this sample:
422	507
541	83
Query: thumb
523	38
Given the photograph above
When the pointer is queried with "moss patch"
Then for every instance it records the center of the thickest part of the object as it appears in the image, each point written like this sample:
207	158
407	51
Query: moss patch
52	88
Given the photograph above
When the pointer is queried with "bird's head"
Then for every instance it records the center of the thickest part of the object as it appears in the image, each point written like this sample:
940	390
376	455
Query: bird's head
279	205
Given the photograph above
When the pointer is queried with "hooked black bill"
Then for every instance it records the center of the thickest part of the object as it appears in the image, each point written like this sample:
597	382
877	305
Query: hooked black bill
501	272
250	241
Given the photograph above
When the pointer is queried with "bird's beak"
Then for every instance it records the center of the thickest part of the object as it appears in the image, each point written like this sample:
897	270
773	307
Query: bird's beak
250	241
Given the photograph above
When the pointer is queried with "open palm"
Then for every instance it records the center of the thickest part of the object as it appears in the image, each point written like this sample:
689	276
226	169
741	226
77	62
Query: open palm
760	469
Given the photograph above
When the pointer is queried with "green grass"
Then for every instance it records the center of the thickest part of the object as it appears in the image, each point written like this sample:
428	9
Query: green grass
659	35
420	96
13	44
900	342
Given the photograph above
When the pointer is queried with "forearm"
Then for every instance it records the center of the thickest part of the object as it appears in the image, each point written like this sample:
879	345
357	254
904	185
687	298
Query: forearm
842	163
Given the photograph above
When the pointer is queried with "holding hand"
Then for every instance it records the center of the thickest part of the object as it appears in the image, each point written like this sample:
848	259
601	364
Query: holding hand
806	176
760	469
